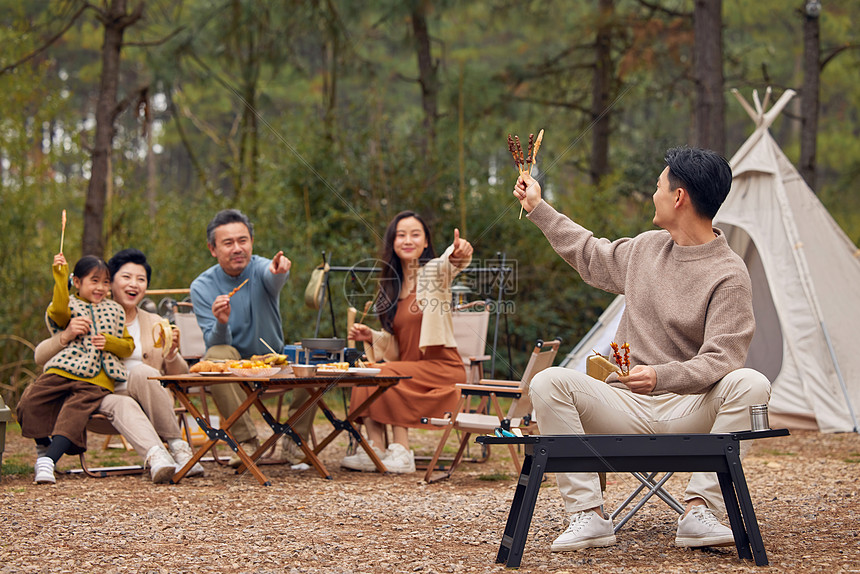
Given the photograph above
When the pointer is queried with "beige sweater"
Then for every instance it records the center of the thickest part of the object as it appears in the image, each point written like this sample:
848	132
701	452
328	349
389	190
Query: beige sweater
433	294
688	313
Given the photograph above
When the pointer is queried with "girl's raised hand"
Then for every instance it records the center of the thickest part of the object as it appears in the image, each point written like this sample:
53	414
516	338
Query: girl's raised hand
59	260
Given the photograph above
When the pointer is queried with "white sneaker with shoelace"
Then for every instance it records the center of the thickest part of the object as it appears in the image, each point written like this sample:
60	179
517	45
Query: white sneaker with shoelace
361	461
399	459
292	452
586	529
162	467
701	528
249	446
181	453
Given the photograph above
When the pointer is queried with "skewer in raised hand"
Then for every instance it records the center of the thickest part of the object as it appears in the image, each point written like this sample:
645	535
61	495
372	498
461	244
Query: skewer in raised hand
524	163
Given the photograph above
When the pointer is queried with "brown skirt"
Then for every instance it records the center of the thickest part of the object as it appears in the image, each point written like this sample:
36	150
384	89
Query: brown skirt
56	406
429	393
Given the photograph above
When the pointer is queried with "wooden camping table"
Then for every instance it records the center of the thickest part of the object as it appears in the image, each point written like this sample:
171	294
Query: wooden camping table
254	388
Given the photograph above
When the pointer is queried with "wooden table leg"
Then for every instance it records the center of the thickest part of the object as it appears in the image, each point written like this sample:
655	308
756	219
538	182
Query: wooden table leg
224	434
347	425
280	429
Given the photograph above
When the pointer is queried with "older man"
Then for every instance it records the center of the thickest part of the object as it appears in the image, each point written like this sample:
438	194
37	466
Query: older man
234	321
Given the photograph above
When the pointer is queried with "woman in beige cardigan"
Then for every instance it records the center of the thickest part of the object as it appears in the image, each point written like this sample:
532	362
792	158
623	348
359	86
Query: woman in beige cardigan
141	409
416	340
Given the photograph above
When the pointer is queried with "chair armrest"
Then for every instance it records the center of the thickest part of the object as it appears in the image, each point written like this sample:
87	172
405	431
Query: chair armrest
438	422
500	383
479	358
503	391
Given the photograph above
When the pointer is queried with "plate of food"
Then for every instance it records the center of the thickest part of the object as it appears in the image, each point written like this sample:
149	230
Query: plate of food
210	368
329	369
255	371
367	371
332	372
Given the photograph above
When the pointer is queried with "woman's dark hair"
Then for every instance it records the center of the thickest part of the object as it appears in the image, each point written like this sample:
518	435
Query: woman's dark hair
705	174
120	258
89	264
392	272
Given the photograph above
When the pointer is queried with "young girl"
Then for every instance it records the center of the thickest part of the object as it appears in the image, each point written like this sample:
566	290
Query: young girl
55	408
417	340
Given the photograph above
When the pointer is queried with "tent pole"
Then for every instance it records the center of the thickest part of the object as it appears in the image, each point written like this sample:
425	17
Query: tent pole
839	376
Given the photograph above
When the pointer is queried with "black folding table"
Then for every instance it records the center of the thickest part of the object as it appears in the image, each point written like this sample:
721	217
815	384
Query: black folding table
718	453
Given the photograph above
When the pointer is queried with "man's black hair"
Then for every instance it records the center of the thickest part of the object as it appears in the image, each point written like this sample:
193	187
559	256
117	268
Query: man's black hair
705	174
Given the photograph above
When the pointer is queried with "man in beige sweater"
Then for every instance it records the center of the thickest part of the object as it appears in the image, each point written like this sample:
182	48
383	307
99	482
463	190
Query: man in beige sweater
689	323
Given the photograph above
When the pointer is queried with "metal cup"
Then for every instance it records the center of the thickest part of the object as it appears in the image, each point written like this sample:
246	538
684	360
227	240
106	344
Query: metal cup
758	418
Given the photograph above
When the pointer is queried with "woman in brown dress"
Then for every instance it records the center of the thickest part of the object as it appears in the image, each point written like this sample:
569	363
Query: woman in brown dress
417	340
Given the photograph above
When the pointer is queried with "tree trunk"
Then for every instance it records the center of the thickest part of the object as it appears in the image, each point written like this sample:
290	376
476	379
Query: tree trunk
115	21
151	167
600	92
709	117
426	70
809	99
332	59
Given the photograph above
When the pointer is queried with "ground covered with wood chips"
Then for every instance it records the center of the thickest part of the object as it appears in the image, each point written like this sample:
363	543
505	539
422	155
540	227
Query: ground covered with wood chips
805	488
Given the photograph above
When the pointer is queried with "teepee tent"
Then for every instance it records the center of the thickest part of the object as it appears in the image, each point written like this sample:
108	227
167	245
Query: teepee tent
806	287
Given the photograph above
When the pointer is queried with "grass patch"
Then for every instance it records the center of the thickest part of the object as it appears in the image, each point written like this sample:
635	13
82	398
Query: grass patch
16	466
853	458
494	476
775	452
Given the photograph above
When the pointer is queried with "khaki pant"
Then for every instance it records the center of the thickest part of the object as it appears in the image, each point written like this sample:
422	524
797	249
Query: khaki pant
228	398
569	402
142	411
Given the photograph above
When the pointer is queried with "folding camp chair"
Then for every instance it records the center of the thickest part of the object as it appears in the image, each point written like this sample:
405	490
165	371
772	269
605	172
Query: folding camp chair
488	415
191	343
471	322
100	424
470	332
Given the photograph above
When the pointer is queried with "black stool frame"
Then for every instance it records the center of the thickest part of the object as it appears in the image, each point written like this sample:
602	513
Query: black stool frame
718	453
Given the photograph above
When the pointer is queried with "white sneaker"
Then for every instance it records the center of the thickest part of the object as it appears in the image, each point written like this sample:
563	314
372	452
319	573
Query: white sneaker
249	446
361	461
399	459
44	471
586	529
181	453
162	467
701	528
292	452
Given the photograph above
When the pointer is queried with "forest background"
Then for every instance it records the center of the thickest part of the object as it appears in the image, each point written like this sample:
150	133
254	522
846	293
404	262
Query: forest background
322	119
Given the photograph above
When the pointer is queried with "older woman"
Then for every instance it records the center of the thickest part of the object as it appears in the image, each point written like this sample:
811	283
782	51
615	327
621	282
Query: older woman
141	409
